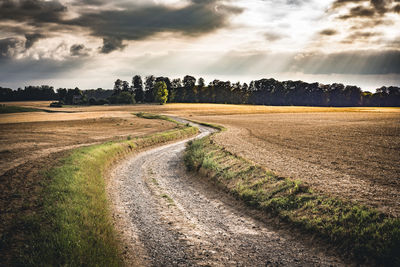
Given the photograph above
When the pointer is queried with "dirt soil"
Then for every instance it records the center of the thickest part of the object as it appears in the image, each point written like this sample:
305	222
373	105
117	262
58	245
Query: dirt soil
353	155
347	152
28	148
194	109
44	133
168	217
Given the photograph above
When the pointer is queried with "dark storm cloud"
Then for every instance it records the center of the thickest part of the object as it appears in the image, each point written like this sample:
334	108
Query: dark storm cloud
375	7
365	15
359	11
113	26
78	50
367	62
116	25
36	13
380	5
31	38
328	32
111	44
6	45
32	11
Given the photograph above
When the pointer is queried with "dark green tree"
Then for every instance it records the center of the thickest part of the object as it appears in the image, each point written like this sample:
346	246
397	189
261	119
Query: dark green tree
117	86
149	92
125	87
137	85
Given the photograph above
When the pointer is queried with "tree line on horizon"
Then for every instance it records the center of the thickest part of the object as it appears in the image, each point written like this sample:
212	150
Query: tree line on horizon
191	90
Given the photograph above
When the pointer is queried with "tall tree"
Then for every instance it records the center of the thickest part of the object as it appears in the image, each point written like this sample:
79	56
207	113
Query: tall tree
201	82
125	86
62	94
189	83
169	86
161	92
201	91
176	91
117	86
137	84
149	93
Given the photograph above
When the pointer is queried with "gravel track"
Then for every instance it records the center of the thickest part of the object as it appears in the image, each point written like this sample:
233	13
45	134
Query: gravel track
167	217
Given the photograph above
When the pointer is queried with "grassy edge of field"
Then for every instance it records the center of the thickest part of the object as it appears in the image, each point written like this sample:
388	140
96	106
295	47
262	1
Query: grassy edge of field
5	109
150	116
211	125
163	117
74	226
364	233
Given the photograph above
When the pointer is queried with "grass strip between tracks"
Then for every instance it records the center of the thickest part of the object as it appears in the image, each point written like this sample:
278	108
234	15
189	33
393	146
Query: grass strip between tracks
74	226
364	232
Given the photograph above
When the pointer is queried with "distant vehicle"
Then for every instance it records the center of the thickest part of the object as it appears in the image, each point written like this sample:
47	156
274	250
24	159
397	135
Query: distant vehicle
57	104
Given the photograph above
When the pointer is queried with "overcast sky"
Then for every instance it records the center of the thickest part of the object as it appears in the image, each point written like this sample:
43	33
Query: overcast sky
91	43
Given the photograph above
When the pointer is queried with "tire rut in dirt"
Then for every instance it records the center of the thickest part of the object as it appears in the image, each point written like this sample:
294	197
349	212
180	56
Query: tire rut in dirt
164	245
182	220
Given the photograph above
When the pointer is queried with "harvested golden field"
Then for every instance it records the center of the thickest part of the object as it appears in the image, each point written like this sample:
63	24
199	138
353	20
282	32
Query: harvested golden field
27	136
354	155
347	152
193	109
32	142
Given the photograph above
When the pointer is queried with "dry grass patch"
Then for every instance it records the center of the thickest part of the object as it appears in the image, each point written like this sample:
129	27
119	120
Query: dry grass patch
347	154
44	133
364	232
71	224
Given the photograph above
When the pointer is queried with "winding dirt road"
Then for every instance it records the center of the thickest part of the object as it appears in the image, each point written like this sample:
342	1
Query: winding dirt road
167	217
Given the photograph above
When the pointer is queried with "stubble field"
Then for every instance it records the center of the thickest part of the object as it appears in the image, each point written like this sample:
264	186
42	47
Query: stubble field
33	142
347	152
351	155
28	136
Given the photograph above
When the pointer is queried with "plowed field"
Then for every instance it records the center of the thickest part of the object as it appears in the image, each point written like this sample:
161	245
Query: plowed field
354	155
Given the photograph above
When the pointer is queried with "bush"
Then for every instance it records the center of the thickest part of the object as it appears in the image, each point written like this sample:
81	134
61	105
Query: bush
122	98
102	102
92	101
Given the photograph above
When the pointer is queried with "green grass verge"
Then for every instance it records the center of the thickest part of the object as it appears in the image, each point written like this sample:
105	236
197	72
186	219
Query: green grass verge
163	117
215	126
150	116
16	109
74	226
364	232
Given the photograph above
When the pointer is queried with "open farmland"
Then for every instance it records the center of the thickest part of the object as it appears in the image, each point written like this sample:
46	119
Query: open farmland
353	155
31	143
195	109
27	136
350	152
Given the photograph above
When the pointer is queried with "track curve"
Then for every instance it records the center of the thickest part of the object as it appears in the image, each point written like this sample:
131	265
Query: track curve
167	217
